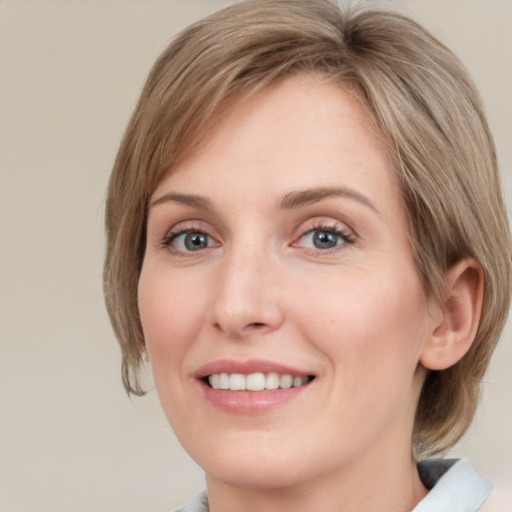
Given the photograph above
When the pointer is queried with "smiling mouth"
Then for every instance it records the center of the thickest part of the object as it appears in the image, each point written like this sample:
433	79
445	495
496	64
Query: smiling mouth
255	381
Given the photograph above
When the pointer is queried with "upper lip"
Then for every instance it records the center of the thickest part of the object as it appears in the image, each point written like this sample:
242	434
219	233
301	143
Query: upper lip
247	367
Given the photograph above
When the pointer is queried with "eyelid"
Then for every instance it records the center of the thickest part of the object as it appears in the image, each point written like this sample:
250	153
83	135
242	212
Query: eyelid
327	224
187	226
175	243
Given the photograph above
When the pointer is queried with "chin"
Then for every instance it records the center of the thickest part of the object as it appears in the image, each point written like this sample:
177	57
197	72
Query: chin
255	474
253	461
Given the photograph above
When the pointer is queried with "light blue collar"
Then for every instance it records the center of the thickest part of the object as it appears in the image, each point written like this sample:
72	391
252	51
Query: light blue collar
455	487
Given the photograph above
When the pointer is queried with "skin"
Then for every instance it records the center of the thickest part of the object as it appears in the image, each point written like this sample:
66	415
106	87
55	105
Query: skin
353	315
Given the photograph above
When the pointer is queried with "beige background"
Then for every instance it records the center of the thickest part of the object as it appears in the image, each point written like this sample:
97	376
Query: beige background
70	73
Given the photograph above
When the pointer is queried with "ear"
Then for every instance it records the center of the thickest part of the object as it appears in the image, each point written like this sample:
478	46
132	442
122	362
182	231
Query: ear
455	322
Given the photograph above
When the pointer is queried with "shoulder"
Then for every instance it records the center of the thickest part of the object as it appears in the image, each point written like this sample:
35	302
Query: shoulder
454	486
198	504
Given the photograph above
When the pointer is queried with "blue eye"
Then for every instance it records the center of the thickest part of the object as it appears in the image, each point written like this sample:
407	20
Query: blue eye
324	238
190	241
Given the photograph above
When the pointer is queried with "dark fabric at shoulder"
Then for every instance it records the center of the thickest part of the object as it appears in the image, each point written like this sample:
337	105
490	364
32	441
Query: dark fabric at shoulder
430	471
198	504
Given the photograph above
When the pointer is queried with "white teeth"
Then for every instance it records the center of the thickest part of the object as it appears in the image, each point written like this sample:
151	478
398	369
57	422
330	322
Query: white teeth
214	381
297	381
272	381
223	381
237	382
286	381
255	381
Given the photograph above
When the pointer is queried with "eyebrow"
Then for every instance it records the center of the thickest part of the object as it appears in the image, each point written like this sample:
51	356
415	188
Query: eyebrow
302	198
199	202
289	201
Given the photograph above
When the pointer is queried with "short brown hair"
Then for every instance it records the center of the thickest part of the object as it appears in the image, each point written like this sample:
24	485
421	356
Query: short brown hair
423	102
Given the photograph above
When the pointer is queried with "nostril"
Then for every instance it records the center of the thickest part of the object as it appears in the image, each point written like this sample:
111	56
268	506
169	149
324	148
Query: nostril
256	324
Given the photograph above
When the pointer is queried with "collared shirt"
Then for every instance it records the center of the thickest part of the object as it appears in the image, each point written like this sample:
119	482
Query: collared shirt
454	487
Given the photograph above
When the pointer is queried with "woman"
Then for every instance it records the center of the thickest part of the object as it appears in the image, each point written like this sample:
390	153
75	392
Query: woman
307	236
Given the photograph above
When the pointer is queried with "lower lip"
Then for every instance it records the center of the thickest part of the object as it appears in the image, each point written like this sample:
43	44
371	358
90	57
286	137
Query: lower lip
251	402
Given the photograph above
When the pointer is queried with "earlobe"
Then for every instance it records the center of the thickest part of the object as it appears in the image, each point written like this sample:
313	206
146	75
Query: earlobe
455	324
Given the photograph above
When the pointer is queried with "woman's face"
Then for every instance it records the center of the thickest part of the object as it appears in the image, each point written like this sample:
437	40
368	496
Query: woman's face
279	256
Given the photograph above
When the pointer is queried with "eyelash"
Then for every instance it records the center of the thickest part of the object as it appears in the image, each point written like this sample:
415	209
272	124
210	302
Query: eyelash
347	238
169	238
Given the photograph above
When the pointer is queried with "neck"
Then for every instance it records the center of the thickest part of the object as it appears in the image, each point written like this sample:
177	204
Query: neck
382	487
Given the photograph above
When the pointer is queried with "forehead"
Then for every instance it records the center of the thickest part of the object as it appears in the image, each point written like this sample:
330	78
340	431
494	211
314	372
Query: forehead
298	133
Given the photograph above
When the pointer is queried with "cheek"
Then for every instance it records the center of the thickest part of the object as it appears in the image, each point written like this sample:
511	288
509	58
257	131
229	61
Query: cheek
365	322
170	318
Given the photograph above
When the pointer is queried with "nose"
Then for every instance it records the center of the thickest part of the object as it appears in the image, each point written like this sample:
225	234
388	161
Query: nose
246	301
